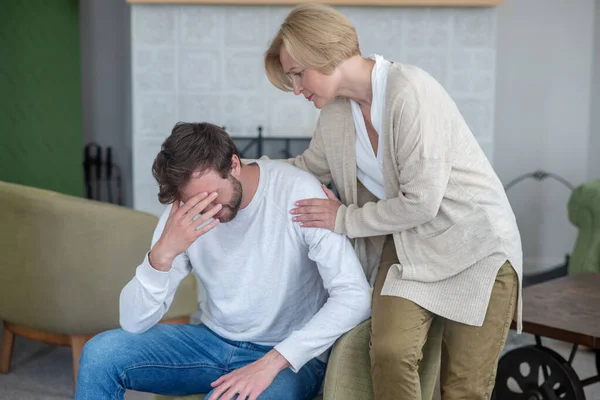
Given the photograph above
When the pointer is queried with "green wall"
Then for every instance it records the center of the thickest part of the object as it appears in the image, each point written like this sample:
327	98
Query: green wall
40	95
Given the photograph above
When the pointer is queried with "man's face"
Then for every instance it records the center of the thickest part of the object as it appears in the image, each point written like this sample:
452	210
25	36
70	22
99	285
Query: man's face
229	192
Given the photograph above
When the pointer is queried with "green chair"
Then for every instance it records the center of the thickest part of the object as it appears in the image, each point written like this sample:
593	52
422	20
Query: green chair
584	213
348	374
64	262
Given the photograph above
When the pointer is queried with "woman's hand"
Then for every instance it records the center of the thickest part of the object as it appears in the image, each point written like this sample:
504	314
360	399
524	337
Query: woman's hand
317	213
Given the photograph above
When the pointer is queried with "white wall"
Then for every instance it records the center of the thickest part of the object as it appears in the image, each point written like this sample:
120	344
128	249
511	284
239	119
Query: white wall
594	149
105	73
543	93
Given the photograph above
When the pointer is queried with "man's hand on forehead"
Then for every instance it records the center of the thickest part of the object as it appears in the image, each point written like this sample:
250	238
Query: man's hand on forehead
183	227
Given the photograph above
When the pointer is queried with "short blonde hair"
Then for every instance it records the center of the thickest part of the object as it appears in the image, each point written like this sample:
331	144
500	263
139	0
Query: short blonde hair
316	36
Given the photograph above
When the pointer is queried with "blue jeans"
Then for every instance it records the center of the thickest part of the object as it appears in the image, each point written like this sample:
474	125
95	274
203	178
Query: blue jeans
179	360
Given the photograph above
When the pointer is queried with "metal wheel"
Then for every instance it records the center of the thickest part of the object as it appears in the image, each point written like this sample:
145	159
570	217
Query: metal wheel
536	373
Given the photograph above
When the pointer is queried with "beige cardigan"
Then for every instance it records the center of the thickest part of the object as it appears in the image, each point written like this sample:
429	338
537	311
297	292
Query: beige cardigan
451	221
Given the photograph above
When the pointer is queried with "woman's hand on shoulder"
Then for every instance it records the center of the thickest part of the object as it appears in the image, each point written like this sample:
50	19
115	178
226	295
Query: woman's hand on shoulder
317	213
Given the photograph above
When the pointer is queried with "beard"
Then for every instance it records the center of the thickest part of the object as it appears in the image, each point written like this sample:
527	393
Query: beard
235	202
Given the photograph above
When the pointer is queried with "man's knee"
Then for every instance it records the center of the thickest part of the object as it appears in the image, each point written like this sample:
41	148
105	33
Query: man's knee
289	385
106	351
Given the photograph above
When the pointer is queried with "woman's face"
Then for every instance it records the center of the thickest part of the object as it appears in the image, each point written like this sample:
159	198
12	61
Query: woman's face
314	85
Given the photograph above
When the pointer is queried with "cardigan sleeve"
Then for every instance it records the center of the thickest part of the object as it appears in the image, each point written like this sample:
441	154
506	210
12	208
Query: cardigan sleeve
421	121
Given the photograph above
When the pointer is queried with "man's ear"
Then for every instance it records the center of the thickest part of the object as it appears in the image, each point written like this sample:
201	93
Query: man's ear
236	166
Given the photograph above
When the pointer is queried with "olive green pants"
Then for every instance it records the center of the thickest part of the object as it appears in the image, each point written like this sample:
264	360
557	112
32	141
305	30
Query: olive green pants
469	355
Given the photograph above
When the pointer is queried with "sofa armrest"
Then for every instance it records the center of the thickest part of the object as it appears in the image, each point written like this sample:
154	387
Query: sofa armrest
348	374
584	213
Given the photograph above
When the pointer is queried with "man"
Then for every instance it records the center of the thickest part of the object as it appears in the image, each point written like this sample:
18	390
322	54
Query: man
277	294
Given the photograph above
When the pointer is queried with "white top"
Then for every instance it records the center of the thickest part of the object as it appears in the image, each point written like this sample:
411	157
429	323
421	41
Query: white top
267	280
370	167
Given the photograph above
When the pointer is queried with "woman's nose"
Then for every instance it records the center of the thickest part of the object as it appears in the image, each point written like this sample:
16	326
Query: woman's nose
297	88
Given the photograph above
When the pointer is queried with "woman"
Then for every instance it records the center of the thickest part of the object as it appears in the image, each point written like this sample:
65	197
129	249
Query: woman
433	226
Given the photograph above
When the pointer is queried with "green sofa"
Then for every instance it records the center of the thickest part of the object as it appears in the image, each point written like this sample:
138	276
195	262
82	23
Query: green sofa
64	263
584	213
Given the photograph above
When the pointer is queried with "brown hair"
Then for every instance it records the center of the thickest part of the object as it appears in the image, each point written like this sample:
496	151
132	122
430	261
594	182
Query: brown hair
316	36
191	147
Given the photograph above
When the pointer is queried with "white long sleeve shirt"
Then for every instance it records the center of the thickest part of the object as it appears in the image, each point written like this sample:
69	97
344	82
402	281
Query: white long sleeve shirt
268	280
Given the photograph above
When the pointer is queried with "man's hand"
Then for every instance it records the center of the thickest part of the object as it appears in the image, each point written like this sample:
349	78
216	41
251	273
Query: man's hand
317	213
251	380
181	229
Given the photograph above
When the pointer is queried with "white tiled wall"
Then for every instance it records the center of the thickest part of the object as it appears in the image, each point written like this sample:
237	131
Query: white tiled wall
205	63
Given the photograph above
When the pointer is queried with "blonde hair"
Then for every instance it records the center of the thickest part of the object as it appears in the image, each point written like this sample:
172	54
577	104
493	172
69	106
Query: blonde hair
316	36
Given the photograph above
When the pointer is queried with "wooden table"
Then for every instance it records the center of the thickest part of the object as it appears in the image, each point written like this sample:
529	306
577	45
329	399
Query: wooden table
565	309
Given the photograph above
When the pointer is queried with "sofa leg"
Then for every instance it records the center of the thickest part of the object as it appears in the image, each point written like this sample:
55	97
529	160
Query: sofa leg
77	343
8	341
